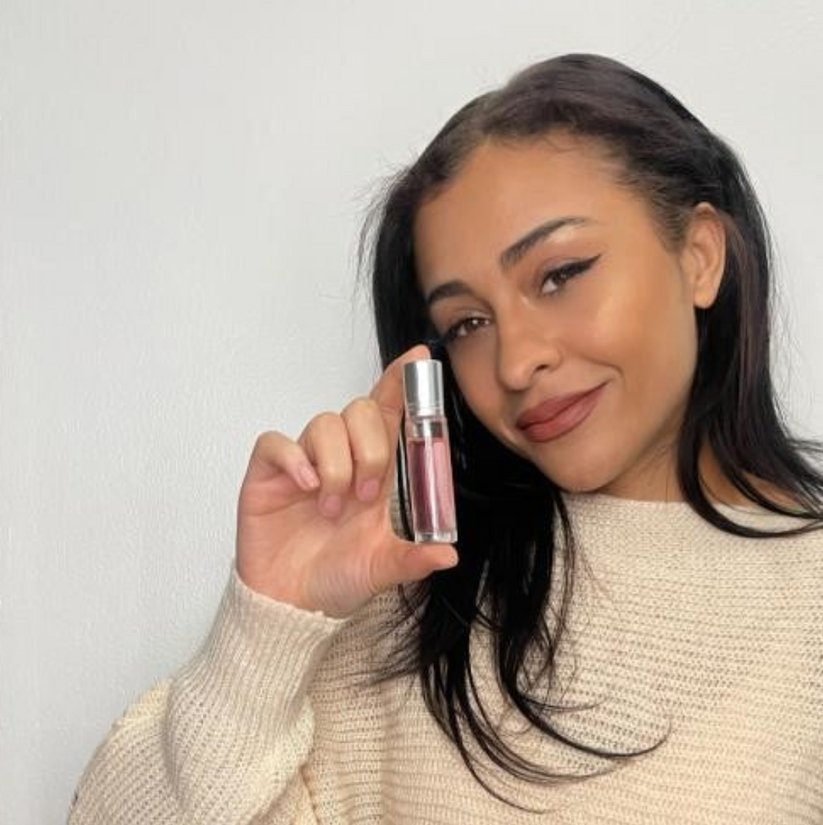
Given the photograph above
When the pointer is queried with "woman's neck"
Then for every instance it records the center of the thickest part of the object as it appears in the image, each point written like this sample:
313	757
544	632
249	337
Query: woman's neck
657	481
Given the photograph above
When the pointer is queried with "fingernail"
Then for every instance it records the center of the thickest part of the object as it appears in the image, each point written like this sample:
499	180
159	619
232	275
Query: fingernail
307	477
446	564
331	506
368	490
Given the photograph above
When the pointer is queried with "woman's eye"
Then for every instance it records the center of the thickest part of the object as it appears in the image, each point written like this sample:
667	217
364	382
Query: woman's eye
461	329
564	273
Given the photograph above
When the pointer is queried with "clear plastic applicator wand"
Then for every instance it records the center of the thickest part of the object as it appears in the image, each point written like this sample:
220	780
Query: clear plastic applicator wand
428	458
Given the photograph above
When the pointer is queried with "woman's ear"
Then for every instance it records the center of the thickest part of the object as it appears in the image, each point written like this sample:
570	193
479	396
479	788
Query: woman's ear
703	256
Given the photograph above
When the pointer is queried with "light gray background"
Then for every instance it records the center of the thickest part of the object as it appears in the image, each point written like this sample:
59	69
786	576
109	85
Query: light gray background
181	186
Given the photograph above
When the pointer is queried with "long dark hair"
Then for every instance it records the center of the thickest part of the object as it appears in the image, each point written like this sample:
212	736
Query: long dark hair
508	511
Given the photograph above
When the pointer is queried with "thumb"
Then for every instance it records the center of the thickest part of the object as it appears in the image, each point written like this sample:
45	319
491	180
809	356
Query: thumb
407	561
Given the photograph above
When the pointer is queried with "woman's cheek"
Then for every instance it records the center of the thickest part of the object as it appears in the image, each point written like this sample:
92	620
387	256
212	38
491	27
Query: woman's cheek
470	385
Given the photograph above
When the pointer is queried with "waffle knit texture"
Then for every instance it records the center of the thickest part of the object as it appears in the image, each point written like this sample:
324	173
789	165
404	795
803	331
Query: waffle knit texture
680	634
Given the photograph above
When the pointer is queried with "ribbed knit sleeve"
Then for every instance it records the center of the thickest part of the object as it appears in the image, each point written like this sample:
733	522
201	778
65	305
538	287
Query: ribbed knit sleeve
224	739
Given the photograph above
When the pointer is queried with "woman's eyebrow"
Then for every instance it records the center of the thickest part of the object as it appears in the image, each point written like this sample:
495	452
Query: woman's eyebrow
509	256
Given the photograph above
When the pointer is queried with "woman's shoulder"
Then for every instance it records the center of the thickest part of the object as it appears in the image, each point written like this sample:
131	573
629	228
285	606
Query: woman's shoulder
788	523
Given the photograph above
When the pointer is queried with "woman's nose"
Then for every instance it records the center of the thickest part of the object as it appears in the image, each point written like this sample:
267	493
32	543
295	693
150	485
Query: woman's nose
524	346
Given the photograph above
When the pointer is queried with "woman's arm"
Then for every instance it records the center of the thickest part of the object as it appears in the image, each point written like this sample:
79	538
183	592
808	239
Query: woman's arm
224	739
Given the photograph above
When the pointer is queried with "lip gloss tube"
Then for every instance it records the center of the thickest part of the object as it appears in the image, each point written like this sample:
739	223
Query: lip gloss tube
428	460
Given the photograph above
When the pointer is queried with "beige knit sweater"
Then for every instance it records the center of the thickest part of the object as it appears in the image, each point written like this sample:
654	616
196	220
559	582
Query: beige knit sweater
679	632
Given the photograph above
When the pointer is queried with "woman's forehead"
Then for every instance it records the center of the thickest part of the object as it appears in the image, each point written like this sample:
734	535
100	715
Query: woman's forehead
505	191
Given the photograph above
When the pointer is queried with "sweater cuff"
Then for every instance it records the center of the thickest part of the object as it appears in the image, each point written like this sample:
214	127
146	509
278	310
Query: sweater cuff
259	658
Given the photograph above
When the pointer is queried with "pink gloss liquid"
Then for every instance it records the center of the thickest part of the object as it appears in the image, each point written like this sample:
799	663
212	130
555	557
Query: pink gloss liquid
430	486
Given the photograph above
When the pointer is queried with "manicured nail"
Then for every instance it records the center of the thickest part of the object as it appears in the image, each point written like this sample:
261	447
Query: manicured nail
331	506
307	477
368	490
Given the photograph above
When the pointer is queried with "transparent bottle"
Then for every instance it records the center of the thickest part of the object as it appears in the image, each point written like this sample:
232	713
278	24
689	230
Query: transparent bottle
428	459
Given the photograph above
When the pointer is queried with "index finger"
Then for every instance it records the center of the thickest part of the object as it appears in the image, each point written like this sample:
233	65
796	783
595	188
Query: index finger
388	391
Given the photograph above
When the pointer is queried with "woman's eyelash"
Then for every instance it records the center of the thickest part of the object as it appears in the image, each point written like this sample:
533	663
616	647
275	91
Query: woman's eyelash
453	332
559	275
566	272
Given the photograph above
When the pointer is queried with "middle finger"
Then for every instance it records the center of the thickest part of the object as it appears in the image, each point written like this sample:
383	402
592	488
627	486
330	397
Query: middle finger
371	451
326	442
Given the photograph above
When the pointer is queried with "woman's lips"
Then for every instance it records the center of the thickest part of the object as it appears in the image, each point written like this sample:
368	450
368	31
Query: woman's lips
573	410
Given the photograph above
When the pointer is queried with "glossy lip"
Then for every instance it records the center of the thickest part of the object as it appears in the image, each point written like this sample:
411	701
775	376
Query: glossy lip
552	407
570	417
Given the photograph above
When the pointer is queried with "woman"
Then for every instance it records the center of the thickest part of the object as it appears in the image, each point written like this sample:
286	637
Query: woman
629	628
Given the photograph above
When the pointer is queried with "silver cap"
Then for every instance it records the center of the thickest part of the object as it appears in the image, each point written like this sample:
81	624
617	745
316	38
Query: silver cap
423	386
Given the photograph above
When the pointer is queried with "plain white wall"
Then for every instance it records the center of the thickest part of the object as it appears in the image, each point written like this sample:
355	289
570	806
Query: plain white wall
181	187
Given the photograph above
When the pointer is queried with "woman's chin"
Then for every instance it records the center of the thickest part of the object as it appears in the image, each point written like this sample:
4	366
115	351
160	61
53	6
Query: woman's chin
579	481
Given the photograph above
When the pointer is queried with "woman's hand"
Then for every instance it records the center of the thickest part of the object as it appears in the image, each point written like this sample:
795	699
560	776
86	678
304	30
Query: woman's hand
313	521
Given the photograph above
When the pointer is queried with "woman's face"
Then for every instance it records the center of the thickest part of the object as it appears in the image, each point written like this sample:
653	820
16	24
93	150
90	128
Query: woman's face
548	278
